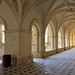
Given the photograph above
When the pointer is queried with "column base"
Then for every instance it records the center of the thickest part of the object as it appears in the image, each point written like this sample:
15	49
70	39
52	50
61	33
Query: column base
27	60
22	61
13	61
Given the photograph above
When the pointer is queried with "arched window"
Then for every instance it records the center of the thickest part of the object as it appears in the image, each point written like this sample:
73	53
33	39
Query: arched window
3	34
48	38
73	39
66	39
59	40
34	40
2	38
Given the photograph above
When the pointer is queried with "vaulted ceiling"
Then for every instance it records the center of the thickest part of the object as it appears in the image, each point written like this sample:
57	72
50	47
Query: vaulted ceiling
61	11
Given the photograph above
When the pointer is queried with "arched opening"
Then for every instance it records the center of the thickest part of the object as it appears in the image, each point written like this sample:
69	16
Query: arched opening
49	40
35	41
3	27
2	39
59	39
66	45
66	39
71	39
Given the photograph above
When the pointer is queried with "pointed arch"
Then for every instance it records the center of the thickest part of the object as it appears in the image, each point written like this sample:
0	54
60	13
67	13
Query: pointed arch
3	28
49	37
36	38
60	38
2	21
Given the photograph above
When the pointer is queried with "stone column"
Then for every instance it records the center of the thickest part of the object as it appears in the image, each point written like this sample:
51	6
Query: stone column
38	42
18	44
54	45
56	42
25	46
56	39
42	44
69	40
53	42
72	40
64	42
12	44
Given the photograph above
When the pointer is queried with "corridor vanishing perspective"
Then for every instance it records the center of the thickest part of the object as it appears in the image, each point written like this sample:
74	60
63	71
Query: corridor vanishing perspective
59	64
37	37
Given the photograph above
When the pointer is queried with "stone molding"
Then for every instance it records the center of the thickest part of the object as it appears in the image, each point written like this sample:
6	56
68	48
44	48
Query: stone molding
17	30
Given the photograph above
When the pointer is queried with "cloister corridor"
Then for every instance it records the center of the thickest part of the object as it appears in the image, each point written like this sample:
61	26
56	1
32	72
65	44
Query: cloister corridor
37	37
60	64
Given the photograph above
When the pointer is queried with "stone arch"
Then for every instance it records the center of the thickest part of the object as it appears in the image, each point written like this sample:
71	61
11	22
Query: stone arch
69	28
52	26
67	38
49	34
37	39
2	21
3	39
58	9
35	22
60	38
71	32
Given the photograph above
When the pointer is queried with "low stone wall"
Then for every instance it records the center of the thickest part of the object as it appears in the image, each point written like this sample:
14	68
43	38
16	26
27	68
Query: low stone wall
37	55
67	48
60	50
52	52
71	47
49	53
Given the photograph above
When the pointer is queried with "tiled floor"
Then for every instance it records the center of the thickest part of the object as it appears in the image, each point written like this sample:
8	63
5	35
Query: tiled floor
59	64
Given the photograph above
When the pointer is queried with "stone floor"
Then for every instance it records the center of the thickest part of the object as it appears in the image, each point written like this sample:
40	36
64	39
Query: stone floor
59	64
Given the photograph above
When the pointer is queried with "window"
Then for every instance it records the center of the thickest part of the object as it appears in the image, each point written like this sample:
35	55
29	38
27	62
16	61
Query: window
70	39
59	39
66	41
48	38
2	34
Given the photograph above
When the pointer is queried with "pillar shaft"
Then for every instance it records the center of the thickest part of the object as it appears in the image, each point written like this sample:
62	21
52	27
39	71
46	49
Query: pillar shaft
18	44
